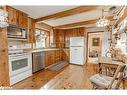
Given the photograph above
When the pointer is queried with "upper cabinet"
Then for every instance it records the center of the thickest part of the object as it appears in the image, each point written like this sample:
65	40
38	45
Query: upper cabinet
62	36
22	20
16	17
12	16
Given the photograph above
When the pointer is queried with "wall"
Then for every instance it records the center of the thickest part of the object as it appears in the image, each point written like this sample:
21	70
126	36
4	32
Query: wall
4	73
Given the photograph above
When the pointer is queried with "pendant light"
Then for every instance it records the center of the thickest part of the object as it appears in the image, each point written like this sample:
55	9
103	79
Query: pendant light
102	22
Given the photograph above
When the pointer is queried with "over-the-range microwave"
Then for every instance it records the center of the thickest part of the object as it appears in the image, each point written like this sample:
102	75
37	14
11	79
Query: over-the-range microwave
16	32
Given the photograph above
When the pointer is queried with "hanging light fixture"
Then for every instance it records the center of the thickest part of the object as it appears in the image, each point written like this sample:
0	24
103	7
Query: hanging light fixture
3	18
102	22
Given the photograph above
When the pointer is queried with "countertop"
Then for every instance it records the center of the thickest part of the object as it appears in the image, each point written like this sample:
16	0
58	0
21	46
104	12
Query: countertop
43	49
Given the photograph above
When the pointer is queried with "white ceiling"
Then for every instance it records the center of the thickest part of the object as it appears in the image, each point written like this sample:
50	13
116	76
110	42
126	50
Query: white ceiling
95	14
39	11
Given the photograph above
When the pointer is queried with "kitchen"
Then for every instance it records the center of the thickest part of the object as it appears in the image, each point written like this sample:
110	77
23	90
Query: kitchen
38	52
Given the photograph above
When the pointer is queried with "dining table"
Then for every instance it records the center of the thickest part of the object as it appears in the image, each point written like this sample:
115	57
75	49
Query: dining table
108	65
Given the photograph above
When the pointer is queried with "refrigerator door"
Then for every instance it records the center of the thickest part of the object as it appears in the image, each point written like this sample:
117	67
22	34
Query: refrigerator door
76	41
77	55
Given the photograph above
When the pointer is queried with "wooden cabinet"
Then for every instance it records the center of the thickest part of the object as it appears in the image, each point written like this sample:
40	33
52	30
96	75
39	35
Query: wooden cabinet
25	20
76	32
22	19
59	38
17	18
31	30
49	58
12	16
62	37
66	55
55	56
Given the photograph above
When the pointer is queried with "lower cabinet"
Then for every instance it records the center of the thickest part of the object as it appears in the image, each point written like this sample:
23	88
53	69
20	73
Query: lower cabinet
54	56
66	55
49	58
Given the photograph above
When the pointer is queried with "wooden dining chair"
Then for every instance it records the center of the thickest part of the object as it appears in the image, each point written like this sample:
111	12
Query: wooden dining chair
102	81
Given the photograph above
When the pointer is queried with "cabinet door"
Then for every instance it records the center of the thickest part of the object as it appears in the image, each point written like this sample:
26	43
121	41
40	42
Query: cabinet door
65	55
25	20
57	56
49	58
46	59
12	16
20	19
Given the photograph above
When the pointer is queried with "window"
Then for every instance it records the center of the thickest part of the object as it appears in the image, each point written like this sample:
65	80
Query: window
121	42
40	38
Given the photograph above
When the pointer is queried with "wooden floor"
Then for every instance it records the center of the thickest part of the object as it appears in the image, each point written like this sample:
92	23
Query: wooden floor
70	77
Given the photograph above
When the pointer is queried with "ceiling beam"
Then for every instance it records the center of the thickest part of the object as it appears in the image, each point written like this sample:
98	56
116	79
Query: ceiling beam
81	23
44	26
122	17
66	13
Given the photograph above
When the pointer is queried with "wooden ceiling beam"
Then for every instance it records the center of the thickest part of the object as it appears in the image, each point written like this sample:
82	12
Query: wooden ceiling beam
66	13
81	23
43	26
122	17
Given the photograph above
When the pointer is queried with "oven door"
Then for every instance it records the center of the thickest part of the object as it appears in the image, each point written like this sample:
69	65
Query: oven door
19	64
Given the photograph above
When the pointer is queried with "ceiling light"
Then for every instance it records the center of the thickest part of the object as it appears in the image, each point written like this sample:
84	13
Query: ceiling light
3	19
102	22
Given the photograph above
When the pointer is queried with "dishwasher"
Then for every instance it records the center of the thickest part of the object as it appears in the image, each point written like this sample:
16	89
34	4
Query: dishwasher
38	61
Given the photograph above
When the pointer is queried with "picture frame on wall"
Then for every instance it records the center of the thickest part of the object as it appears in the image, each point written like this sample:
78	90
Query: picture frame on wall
96	41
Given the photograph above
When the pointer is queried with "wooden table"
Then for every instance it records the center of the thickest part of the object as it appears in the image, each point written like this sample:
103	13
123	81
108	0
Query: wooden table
110	65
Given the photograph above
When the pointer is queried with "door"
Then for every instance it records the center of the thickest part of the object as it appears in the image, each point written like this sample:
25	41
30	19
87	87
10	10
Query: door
77	55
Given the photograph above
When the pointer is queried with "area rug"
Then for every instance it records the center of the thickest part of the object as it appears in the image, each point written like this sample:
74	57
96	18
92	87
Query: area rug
58	66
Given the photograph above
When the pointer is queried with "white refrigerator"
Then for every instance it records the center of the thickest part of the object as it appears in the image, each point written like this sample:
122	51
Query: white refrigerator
78	50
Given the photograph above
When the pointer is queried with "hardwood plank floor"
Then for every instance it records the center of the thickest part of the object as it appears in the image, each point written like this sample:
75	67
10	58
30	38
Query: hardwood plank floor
70	77
46	79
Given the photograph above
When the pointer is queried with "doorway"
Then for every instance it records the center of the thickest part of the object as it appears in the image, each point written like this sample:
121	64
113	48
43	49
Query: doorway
94	46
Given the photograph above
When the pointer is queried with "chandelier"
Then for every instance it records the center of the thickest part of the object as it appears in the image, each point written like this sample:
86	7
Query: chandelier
102	22
3	19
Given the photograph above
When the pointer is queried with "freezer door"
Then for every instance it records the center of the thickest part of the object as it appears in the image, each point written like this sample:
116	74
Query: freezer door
77	55
76	41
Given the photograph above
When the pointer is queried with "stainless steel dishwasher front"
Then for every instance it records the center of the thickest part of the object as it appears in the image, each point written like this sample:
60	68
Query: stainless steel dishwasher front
38	61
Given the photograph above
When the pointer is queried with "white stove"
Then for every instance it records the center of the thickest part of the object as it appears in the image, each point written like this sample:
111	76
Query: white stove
20	65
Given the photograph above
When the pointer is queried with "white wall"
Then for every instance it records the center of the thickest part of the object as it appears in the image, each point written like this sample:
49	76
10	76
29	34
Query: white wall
105	43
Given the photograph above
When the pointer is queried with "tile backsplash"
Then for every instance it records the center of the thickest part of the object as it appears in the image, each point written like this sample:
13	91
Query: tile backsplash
18	44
